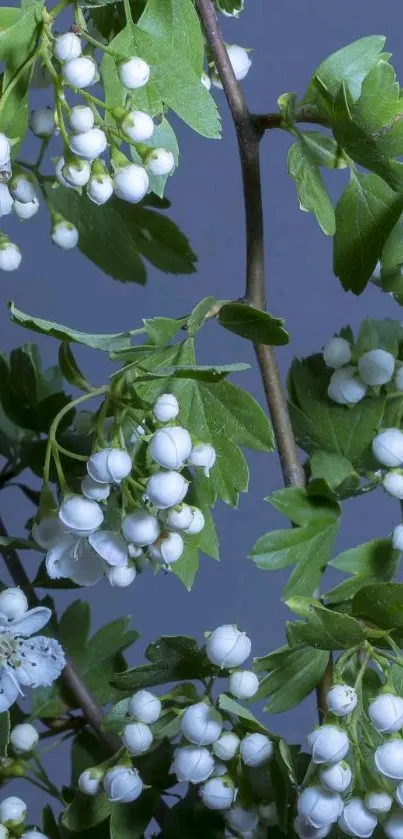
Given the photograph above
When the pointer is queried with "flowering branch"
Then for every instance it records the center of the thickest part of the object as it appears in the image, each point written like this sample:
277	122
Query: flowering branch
249	132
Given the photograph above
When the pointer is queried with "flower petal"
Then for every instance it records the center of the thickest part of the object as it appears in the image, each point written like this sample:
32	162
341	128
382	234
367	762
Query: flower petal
59	554
31	622
39	661
109	546
72	557
9	689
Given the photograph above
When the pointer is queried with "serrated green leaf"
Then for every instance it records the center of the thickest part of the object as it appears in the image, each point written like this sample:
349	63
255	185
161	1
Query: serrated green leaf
336	471
70	368
323	150
253	324
365	215
129	821
49	823
8	16
176	22
381	604
86	812
292	675
350	65
64	333
162	330
375	558
197	317
312	193
18	44
302	509
385	334
325	630
248	720
172	659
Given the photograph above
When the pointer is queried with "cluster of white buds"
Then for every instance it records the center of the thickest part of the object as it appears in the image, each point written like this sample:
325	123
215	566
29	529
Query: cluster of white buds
123	784
350	381
387	448
13	813
17	196
77	542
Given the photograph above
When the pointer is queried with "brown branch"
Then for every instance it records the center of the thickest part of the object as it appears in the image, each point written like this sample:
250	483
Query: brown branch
249	130
265	122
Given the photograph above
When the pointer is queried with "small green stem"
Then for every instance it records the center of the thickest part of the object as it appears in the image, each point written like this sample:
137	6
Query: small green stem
100	46
82	457
60	6
43	775
50	449
42	152
16	79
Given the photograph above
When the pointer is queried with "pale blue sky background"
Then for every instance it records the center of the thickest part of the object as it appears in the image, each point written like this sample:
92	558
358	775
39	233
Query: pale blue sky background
288	41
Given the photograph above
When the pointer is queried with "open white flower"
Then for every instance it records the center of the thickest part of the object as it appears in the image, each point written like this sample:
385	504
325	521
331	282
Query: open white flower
73	557
26	661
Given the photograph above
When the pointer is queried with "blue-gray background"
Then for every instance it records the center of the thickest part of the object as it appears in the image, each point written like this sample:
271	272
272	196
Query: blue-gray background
288	40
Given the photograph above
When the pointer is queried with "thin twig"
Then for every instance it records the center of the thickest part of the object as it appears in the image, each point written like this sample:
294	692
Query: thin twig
265	122
249	130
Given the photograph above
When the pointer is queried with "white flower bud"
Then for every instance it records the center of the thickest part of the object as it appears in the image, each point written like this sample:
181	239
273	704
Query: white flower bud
67	46
145	706
138	126
201	724
77	173
134	73
13	603
397	538
376	367
42	122
243	684
109	546
217	794
94	490
26	211
30	834
240	61
336	777
319	806
141	528
226	747
80	72
393	484
387	447
393	827
6	200
131	183
356	820
256	749
89	144
227	646
22	189
23	738
89	781
109	465
166	408
81	119
64	235
100	189
220	769
346	387
328	744
170	447
203	455
167	489
336	353
179	518
386	713
378	801
59	173
389	759
242	819
122	784
305	830
134	552
197	523
206	81
10	256
167	549
160	162
192	764
122	577
399	379
341	700
137	738
268	814
80	514
13	811
5	150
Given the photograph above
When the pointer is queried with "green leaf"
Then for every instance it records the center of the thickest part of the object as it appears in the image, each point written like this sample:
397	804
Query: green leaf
230	706
349	65
385	334
302	509
163	137
162	330
292	675
8	16
365	215
17	46
129	821
335	471
381	604
49	823
85	812
107	343
202	372
230	7
325	630
323	150
253	324
173	658
87	750
375	558
4	733
135	232
197	317
176	22
190	818
70	368
312	194
319	423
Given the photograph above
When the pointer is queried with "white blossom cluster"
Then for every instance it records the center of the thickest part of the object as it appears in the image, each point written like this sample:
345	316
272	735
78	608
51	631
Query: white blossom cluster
349	382
387	448
328	798
87	137
13	813
25	661
78	544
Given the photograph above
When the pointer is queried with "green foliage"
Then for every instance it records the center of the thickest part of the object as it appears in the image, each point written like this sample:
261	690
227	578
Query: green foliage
291	675
332	475
171	658
30	397
303	167
107	343
325	630
129	821
372	561
380	604
257	326
85	812
348	66
233	709
18	42
4	733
